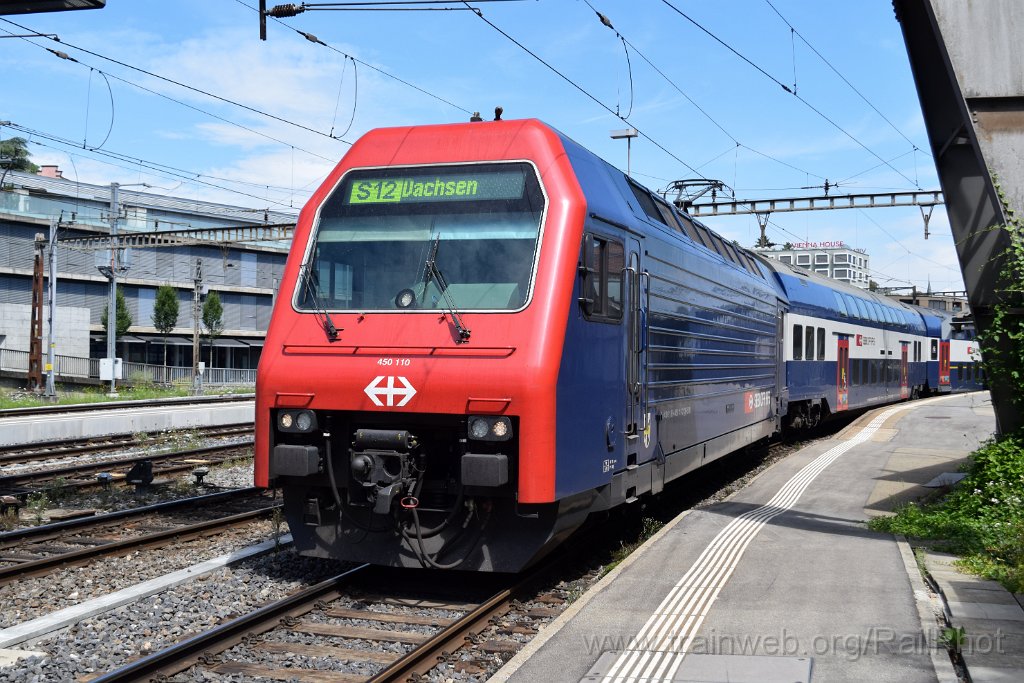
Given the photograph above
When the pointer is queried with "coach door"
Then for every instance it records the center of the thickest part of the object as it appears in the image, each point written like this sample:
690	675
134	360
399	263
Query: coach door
843	373
638	422
904	370
943	363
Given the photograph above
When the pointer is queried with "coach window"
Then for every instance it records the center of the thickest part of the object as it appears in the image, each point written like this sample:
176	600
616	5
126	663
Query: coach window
882	317
863	309
798	342
719	246
840	304
668	216
855	371
750	263
821	343
734	254
601	270
705	236
935	349
688	228
809	344
646	202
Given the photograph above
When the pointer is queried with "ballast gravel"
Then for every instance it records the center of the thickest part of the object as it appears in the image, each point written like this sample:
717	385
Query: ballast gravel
110	640
35	597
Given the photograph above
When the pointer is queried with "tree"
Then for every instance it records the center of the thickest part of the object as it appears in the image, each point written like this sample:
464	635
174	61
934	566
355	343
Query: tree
14	155
124	316
165	315
213	319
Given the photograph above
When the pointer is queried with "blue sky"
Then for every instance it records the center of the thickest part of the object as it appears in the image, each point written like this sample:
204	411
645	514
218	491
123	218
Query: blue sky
716	115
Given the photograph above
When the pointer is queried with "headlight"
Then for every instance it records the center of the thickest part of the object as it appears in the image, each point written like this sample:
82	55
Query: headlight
483	428
296	421
479	429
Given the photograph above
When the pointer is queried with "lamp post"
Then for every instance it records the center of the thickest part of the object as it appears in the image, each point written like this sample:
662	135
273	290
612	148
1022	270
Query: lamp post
628	134
111	270
115	209
197	375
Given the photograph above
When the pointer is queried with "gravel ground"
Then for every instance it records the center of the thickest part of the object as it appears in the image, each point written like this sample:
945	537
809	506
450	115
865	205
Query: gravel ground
35	597
110	640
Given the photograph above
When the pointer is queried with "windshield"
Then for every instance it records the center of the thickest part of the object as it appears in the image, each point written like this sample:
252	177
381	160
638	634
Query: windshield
384	233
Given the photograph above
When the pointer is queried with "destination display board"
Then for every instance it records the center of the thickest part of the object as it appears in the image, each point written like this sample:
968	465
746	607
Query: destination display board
485	185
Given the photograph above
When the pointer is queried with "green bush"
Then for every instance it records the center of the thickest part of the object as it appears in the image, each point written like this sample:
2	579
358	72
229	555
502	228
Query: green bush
982	518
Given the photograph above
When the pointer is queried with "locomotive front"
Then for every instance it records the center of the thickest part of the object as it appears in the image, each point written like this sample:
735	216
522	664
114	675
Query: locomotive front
402	393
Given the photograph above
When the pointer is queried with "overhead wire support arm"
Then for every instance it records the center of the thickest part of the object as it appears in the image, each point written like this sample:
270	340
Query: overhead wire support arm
824	203
170	238
292	9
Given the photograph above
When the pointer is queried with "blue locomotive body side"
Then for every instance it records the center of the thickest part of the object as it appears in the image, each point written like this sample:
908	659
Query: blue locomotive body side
682	367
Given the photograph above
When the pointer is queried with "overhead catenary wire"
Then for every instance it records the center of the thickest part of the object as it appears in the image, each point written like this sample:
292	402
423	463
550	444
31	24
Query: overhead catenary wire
603	105
845	80
152	166
314	39
789	90
168	171
582	90
167	97
714	121
192	88
696	105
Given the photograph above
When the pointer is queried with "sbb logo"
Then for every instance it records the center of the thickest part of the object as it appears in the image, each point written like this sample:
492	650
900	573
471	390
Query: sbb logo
753	400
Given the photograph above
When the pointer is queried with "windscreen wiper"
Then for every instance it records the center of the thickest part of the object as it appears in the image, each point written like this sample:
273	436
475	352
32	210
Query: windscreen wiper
313	294
431	271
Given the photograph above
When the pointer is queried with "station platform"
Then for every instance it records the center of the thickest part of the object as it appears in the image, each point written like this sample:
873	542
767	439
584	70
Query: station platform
30	429
783	582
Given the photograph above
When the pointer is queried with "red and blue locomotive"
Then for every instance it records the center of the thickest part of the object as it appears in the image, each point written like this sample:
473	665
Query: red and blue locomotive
485	333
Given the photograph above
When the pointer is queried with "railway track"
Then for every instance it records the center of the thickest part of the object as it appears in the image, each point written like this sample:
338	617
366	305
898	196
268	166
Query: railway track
83	475
352	624
68	448
36	551
122	405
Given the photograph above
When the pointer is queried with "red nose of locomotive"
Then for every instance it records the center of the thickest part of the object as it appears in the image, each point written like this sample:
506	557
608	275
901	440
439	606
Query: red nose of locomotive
407	386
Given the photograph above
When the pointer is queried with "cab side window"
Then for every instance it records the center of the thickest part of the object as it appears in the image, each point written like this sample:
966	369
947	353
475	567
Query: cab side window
601	269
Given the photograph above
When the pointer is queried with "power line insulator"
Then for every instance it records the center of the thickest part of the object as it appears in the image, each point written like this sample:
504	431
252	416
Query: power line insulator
284	11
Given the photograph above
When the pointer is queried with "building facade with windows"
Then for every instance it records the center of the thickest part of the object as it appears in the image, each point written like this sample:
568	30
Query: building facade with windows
245	276
835	260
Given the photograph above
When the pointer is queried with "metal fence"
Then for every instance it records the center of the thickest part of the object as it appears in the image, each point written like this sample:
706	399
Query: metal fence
74	367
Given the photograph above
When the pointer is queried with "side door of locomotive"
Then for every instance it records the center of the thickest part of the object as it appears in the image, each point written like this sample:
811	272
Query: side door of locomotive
637	418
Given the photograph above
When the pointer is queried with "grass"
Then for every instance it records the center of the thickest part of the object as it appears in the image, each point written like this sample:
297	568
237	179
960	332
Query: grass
140	392
981	519
648	527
